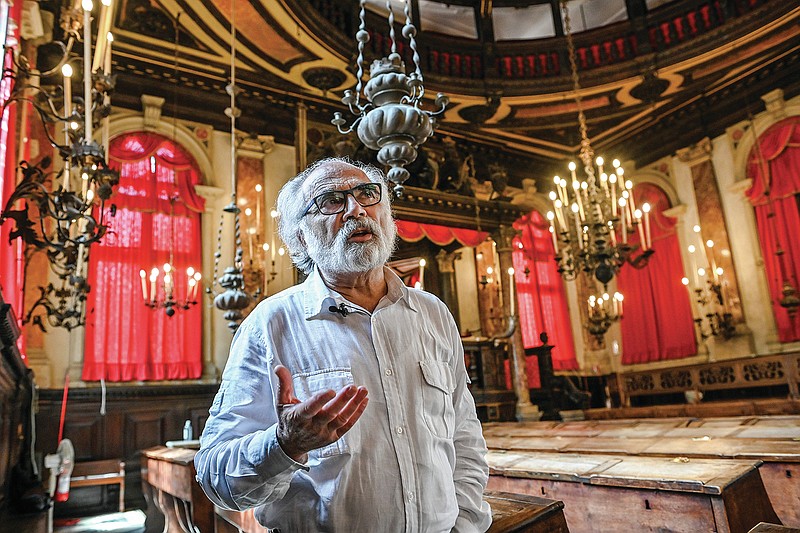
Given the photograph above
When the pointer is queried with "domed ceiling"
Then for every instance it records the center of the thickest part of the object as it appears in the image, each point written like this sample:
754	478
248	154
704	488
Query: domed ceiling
654	75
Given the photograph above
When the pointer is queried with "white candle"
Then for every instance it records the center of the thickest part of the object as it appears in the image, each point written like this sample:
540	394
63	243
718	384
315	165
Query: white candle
693	263
576	188
622	203
153	278
640	228
612	233
511	295
66	71
555	239
579	233
646	209
710	246
422	264
107	55
99	50
613	180
87	68
258	204
143	275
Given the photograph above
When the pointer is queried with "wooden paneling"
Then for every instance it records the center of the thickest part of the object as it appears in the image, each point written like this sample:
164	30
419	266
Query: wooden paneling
136	418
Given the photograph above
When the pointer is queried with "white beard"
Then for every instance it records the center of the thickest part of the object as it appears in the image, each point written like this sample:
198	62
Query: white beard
333	253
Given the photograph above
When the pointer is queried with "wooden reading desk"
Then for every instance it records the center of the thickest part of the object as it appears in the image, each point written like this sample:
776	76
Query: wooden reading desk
772	440
630	493
171	473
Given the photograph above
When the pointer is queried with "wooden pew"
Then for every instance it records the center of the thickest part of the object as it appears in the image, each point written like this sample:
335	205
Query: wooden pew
715	438
170	471
626	493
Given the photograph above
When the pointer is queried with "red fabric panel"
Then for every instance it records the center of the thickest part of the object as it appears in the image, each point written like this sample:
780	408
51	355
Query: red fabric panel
774	167
144	193
541	296
657	324
11	254
125	340
783	229
439	235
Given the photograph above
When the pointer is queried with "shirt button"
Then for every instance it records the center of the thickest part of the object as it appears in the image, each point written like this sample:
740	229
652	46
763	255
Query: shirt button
399	430
411	496
388	372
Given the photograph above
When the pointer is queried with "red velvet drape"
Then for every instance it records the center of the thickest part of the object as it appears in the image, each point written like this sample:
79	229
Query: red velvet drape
774	167
125	340
439	235
541	296
11	254
657	324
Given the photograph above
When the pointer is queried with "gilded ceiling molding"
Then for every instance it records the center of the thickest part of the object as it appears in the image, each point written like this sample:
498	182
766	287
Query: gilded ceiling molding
695	154
151	107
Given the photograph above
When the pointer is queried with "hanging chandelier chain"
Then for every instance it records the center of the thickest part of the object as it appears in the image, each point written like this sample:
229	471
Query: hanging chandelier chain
362	32
586	153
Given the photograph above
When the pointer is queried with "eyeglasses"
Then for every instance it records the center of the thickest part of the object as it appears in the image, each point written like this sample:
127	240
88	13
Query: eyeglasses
333	202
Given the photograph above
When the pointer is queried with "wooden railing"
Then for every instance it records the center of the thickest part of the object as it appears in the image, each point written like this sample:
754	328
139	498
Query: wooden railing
760	371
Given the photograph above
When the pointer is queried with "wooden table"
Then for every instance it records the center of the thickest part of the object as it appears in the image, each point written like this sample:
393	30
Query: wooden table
511	513
769	439
171	473
624	493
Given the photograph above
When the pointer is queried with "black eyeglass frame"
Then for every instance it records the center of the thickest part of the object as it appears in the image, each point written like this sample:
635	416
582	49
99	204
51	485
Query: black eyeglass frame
344	193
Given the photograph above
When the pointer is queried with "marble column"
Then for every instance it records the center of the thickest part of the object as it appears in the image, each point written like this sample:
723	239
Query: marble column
447	280
526	411
208	228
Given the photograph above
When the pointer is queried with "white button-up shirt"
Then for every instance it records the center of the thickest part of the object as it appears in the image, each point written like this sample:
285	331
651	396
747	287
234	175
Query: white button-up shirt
415	460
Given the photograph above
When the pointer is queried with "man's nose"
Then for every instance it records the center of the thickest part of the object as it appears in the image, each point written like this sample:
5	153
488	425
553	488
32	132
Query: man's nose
353	209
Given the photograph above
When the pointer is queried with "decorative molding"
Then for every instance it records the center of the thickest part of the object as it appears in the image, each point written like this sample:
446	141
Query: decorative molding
740	187
678	212
151	108
775	103
210	194
435	207
696	153
256	146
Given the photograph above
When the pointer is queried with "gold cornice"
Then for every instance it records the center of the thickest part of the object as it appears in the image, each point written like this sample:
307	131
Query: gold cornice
435	207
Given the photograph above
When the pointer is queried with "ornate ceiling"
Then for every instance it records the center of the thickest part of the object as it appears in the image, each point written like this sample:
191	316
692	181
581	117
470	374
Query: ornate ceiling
652	82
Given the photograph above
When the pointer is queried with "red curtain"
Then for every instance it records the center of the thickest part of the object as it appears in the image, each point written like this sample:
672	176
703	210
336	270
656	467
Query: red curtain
541	296
657	324
774	167
11	253
439	235
125	340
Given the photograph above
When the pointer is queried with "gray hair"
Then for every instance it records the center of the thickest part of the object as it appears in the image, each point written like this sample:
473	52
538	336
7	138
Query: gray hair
292	202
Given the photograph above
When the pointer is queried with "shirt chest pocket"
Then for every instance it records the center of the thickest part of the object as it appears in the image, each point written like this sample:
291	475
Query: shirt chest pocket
437	395
307	384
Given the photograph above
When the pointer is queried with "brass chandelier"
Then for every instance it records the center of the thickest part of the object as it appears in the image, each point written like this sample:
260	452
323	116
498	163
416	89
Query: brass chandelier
592	217
388	114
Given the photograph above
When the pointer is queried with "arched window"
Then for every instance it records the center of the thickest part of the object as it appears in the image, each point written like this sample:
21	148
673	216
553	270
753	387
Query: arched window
126	340
774	167
657	324
541	295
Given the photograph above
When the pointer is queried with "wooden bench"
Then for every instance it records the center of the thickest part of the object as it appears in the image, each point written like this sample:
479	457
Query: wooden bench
98	473
625	493
773	440
511	513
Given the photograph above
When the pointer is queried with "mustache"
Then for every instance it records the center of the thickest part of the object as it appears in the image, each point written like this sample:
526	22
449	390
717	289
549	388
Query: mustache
358	224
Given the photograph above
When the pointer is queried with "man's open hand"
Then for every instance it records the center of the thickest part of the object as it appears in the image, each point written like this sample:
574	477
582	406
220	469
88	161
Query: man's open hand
318	421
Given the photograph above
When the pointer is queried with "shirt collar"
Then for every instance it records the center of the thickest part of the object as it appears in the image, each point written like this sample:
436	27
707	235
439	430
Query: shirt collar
318	297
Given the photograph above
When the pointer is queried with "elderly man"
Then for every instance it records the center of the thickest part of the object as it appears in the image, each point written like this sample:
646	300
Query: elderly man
344	404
